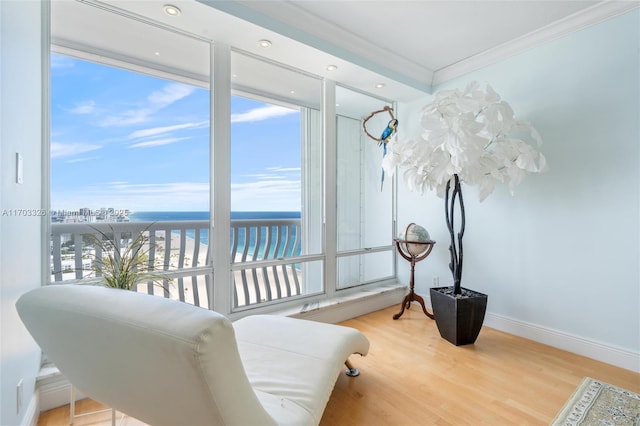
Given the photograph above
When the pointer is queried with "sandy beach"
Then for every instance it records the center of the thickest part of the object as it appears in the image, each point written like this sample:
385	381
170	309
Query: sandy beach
252	285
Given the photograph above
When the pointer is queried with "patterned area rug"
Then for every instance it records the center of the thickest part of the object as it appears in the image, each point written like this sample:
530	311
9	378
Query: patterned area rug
598	403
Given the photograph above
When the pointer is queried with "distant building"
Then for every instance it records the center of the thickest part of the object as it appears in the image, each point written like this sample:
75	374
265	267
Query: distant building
85	214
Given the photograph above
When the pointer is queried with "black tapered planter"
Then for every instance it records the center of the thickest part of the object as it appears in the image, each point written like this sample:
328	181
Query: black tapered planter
459	319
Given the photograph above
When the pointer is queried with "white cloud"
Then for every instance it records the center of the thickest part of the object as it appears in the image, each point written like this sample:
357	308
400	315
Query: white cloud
169	94
262	113
166	129
173	196
284	169
81	159
273	174
276	173
155	102
126	188
266	195
156	142
266	176
281	185
127	118
83	108
70	149
60	62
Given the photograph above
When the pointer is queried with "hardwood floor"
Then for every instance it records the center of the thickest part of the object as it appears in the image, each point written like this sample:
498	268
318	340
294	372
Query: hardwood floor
414	377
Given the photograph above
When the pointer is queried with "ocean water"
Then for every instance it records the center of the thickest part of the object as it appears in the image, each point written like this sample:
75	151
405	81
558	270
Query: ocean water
159	216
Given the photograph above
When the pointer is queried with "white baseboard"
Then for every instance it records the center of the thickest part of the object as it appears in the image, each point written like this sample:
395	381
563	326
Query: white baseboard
596	350
32	413
55	391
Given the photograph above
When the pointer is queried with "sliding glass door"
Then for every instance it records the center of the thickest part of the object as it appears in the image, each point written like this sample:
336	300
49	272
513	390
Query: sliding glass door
276	187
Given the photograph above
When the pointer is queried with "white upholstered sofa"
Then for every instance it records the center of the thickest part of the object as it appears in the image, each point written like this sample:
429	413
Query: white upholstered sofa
170	363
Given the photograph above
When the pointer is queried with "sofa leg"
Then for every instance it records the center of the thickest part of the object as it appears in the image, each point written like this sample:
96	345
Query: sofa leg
351	370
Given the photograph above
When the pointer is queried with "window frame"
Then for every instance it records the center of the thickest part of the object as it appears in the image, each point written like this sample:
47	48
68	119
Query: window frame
221	268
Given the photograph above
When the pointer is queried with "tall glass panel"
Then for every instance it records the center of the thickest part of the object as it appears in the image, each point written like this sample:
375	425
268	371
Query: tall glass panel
276	170
354	270
129	148
364	204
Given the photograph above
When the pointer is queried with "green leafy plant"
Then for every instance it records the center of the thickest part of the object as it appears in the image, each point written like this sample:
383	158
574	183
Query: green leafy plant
125	265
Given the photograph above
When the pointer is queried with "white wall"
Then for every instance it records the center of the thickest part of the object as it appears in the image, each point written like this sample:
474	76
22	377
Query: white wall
563	253
20	236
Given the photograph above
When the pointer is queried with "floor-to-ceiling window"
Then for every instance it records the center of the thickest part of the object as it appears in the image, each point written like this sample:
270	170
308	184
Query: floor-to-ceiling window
130	148
276	182
133	142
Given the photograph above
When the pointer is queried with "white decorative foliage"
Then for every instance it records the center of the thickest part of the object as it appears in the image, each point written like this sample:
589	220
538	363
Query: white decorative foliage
471	133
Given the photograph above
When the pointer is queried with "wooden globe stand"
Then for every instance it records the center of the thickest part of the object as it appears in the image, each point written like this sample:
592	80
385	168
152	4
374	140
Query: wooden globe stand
412	296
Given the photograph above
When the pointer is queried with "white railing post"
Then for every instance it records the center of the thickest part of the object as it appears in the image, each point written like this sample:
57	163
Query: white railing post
266	251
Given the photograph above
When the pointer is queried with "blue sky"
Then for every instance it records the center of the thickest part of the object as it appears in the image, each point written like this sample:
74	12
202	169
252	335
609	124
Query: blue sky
126	140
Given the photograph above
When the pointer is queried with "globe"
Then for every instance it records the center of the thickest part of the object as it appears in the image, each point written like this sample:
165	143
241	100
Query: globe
415	232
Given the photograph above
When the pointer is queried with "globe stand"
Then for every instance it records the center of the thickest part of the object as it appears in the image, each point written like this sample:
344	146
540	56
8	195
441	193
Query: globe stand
412	296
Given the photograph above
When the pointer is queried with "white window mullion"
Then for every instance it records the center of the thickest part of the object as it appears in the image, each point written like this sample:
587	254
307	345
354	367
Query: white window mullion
220	185
45	54
312	199
330	185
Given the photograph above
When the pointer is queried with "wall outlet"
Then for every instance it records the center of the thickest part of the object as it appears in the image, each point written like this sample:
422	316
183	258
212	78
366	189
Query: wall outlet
436	281
19	397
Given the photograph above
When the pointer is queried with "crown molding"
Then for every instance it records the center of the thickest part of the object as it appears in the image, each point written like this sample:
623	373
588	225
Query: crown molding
578	21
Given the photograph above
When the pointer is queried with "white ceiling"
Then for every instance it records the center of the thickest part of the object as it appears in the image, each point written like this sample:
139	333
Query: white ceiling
417	38
407	45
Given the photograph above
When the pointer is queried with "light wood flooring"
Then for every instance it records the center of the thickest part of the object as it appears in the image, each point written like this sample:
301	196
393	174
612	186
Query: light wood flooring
414	377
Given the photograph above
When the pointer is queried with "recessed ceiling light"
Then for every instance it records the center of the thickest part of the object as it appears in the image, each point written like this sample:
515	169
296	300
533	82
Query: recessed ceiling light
171	10
292	92
332	67
379	85
264	43
156	53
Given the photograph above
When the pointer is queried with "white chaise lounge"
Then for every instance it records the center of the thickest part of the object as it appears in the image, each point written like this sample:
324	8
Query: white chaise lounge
170	363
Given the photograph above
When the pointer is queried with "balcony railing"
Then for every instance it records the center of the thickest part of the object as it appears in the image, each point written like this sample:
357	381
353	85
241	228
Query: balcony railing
180	249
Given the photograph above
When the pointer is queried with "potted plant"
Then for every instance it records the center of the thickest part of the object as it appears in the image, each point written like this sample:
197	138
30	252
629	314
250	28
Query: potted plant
125	264
470	136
